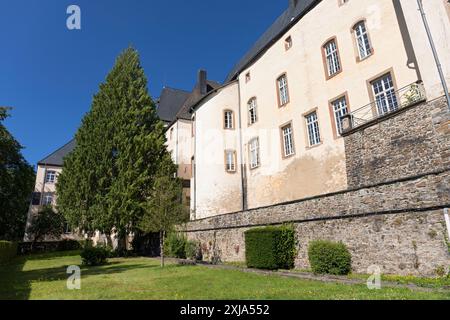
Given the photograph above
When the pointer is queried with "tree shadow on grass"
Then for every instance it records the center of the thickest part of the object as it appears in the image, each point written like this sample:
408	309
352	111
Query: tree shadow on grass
15	283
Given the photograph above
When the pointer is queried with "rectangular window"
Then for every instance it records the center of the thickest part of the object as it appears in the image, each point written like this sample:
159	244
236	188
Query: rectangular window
312	122
340	109
384	93
50	177
288	43
252	111
331	53
228	119
283	91
288	141
36	199
47	200
254	153
362	40
230	161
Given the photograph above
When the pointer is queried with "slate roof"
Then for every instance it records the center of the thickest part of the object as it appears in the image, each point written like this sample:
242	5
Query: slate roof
194	97
57	157
278	28
170	102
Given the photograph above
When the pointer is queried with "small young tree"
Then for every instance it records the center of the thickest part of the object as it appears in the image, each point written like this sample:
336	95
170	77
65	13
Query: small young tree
47	223
164	209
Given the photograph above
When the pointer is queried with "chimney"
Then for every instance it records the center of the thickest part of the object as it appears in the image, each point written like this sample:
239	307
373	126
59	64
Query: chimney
293	4
201	82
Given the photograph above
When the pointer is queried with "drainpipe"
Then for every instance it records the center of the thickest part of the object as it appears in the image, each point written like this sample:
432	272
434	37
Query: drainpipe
241	155
447	221
435	54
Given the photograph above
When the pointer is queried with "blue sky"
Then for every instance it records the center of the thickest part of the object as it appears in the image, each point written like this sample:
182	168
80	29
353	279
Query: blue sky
49	74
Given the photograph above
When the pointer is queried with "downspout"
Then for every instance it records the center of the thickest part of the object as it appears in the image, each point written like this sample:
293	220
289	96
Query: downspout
241	154
43	186
447	222
435	54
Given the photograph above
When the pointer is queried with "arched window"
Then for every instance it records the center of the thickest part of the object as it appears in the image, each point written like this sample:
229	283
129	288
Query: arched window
252	111
362	40
331	56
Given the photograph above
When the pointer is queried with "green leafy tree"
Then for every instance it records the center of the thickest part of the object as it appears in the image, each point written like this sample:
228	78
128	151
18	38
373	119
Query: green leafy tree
164	209
120	146
47	223
16	185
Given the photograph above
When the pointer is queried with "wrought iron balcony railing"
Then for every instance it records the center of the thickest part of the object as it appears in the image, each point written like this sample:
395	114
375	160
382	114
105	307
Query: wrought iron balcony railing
385	103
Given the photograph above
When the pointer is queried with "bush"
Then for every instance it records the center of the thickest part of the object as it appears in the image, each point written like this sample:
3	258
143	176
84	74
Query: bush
328	257
192	250
8	250
68	245
175	246
95	256
270	248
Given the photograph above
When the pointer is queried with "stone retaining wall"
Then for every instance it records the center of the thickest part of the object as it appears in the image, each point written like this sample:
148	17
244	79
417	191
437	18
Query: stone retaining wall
391	216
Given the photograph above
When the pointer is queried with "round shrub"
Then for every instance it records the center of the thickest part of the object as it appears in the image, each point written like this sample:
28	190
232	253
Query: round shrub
327	257
95	256
175	246
192	250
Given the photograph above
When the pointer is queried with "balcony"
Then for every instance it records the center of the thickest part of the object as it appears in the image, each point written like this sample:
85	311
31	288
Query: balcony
385	104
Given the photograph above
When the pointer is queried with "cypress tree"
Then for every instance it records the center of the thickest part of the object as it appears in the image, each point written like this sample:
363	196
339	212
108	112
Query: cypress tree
120	148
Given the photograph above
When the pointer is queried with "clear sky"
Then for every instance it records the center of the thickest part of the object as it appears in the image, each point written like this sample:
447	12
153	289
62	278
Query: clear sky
48	74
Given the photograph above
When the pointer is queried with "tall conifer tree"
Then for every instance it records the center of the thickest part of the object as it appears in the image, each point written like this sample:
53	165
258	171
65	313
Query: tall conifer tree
120	148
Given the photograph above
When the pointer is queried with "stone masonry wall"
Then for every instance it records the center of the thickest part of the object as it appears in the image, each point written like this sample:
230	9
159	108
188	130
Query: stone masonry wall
413	142
391	216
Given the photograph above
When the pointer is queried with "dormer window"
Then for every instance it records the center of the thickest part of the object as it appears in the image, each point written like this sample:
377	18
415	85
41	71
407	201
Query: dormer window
248	77
288	43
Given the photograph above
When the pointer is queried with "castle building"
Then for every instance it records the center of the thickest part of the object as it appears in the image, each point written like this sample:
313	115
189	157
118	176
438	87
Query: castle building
335	121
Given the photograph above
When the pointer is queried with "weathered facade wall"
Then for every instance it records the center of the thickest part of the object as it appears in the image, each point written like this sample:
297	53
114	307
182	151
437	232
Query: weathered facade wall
413	142
392	217
214	190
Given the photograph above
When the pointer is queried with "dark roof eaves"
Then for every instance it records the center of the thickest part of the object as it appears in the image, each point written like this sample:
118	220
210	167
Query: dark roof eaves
43	162
194	106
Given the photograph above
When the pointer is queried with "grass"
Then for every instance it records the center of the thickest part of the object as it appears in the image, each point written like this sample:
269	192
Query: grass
44	277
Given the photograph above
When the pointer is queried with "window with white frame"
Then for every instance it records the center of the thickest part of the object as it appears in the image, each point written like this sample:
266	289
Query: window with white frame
283	90
254	153
333	63
228	119
384	92
230	161
312	123
340	109
47	200
362	40
50	177
288	140
252	111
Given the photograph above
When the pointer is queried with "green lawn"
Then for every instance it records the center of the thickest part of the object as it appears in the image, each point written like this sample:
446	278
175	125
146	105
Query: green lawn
44	277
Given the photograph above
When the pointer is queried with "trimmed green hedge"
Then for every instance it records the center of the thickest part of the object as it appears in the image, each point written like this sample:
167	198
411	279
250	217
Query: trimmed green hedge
328	257
95	256
8	250
270	248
